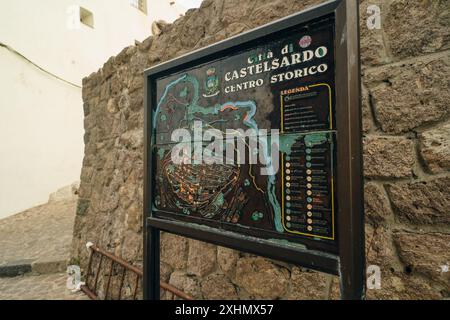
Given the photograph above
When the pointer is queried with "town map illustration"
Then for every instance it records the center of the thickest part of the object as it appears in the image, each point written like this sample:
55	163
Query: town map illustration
274	105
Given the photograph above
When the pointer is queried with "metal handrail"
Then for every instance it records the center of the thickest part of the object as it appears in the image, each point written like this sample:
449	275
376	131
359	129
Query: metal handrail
92	292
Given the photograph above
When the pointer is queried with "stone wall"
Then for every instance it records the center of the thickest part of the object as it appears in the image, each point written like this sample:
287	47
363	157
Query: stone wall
406	67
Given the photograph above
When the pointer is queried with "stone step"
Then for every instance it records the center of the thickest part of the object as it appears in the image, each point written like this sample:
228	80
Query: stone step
40	266
38	287
15	268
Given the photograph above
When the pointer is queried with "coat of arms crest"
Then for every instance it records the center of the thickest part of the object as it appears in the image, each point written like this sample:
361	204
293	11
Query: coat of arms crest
211	83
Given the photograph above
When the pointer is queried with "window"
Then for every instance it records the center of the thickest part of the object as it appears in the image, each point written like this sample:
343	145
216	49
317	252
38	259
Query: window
140	4
86	17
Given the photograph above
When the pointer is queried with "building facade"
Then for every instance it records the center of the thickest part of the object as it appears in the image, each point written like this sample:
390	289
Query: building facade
46	48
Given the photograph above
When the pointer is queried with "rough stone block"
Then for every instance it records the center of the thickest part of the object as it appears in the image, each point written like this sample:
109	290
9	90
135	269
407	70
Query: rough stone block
186	283
426	254
398	286
417	27
165	271
108	69
367	122
227	259
261	278
218	287
388	157
134	217
132	241
397	282
422	202
411	94
193	29
379	248
146	44
124	55
376	204
133	139
267	11
86	107
373	49
236	10
435	148
82	206
307	285
174	250
201	258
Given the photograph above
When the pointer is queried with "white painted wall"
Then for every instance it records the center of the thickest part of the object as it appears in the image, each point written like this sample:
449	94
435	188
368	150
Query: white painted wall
41	119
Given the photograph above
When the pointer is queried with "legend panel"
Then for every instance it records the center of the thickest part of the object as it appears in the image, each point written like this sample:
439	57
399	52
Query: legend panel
308	202
307	108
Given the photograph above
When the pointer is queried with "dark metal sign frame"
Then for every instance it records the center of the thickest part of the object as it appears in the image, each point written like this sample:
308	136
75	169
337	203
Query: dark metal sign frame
349	263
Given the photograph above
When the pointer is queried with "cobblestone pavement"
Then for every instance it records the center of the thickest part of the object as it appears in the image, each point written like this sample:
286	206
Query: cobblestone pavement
42	233
38	287
37	241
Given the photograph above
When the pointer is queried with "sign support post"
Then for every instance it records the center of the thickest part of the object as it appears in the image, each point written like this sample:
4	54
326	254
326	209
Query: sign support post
151	245
152	274
351	227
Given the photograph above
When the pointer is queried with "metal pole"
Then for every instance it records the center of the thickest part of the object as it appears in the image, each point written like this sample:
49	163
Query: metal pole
351	228
150	279
153	269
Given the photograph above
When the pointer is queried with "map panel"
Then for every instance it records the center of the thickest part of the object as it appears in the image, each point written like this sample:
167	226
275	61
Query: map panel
246	143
